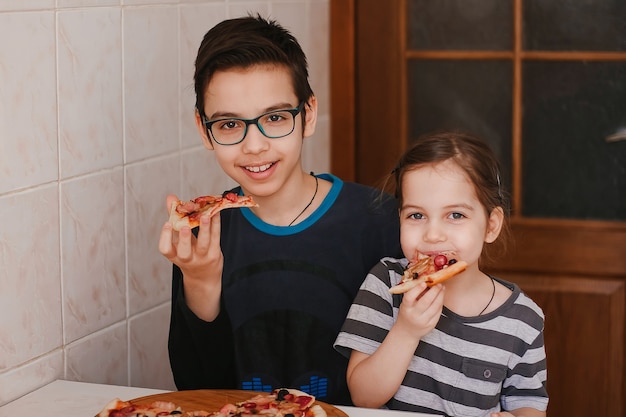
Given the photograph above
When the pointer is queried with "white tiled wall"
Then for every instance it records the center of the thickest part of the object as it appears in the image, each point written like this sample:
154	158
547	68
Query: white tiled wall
96	128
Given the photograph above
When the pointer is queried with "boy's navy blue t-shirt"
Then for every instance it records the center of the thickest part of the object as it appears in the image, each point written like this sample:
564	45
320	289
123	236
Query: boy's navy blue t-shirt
285	294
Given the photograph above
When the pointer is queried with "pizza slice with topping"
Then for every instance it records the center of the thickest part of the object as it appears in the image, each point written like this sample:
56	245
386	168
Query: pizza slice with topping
188	213
431	269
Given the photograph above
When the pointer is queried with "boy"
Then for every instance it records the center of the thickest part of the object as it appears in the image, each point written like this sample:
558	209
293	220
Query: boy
259	295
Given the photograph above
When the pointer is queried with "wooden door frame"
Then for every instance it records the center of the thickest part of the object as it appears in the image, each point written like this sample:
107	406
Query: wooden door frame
342	89
354	62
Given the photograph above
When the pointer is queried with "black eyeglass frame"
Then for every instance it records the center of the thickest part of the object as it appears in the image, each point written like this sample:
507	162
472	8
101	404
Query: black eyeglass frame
209	123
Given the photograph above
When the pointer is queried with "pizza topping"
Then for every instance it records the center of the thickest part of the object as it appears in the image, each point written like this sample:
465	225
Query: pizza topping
228	409
186	207
302	400
282	393
440	261
432	270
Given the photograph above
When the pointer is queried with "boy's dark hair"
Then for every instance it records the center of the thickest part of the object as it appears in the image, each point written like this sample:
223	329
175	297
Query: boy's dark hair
247	41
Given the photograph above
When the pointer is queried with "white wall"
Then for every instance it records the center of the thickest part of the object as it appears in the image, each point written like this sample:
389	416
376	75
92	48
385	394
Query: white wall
96	127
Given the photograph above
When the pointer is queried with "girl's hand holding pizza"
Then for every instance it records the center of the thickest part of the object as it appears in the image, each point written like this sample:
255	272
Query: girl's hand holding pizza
200	259
420	309
376	377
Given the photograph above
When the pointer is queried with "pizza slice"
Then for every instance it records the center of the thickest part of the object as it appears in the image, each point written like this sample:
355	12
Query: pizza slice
188	213
432	270
119	408
283	402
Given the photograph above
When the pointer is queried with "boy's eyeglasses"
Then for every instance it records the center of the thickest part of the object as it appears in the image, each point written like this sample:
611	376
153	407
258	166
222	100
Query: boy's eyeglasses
273	124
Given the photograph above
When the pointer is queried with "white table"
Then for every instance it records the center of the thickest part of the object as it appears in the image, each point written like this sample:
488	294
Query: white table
81	399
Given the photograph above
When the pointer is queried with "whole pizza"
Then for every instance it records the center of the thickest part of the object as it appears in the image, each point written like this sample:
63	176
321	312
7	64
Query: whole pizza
284	402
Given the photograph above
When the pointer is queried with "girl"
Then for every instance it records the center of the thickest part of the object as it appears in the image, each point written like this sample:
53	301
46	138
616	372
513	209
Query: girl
472	348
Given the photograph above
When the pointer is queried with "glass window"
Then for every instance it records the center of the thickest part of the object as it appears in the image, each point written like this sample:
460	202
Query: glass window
572	165
474	96
460	24
574	25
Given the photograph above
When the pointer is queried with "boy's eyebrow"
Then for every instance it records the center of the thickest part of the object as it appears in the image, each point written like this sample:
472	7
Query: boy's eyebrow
228	114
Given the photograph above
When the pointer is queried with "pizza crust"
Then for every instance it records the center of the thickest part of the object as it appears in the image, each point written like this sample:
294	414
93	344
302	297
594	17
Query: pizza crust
318	411
114	404
431	279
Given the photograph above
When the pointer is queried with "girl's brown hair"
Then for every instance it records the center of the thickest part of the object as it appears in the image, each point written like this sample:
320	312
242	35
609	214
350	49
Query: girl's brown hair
475	158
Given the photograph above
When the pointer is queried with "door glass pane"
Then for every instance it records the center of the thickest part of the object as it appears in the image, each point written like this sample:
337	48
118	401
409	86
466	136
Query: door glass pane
460	24
573	163
473	96
574	25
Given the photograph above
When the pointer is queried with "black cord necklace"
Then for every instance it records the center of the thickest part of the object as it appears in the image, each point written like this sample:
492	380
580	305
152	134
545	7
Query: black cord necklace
310	202
493	282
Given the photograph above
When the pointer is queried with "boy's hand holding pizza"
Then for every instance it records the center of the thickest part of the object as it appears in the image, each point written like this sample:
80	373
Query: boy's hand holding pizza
200	259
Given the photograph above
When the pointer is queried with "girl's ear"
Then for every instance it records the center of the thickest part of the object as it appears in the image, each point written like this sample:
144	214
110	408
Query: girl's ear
204	134
310	118
494	224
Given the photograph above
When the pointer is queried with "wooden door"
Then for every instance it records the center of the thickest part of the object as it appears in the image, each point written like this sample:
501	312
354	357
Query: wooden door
570	259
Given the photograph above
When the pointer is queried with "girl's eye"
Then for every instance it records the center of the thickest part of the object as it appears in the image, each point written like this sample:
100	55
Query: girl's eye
416	216
456	216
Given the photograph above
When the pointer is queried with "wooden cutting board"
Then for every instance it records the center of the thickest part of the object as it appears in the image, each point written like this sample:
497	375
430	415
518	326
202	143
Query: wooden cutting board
214	399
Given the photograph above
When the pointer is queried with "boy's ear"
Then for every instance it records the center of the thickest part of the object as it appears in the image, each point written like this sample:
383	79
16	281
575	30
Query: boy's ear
494	224
311	117
204	134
